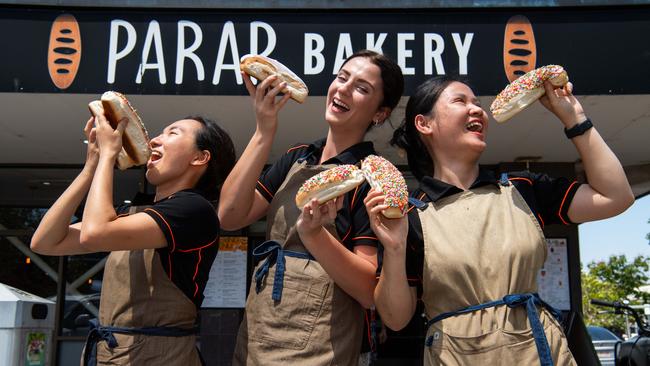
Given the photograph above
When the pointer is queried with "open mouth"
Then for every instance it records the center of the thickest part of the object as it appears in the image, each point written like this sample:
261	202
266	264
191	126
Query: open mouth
339	106
474	126
155	156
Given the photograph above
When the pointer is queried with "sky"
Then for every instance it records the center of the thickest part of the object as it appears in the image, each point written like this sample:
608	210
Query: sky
622	234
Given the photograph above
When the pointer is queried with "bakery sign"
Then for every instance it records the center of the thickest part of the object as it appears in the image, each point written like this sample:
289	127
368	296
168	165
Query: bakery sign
189	52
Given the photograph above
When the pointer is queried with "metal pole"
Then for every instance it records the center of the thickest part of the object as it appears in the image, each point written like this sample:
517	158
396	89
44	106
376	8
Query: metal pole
60	306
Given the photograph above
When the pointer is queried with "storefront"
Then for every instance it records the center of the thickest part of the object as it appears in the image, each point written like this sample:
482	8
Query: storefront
181	60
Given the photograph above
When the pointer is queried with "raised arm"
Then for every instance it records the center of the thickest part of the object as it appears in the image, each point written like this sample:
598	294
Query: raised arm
394	298
102	230
608	192
55	235
239	203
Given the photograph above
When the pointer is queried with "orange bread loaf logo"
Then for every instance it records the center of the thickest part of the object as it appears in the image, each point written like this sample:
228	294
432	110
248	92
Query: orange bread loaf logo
64	52
519	50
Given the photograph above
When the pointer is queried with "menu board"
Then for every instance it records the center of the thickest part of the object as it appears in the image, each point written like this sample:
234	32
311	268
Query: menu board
553	278
226	287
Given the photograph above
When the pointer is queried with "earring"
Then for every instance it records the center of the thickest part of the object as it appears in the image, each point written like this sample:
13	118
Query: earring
375	122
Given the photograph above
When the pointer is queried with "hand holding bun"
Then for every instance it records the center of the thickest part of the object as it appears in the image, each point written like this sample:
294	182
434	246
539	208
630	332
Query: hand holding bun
329	184
386	178
525	90
261	67
135	140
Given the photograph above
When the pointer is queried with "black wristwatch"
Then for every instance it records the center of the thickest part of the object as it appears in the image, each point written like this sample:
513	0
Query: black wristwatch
578	129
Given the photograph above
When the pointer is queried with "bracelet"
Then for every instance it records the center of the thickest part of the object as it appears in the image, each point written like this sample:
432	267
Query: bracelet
578	129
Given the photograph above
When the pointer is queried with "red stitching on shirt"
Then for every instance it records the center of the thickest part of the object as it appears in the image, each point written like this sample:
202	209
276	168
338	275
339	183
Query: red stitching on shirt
522	178
196	271
296	147
354	196
566	194
197	248
541	219
364	237
265	189
346	234
171	233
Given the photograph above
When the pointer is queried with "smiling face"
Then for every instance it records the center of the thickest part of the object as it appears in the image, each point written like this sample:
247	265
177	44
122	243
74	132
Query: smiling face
459	123
354	97
172	152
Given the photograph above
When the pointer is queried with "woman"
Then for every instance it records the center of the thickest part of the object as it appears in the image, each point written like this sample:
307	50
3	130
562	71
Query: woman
311	310
476	237
160	257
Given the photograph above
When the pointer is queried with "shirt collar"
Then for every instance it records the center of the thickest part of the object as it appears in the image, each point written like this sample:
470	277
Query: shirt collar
436	189
351	155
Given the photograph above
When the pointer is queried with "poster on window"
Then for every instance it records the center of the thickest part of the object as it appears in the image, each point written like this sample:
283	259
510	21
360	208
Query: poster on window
553	278
226	287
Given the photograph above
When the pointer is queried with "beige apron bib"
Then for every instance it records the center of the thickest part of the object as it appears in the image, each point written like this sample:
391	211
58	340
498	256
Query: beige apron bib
315	322
479	246
137	293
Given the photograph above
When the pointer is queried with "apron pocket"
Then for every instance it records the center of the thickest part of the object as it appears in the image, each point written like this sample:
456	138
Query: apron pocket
289	322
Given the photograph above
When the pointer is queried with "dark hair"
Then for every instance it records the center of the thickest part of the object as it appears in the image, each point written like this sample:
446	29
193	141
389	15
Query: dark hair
407	137
216	140
391	76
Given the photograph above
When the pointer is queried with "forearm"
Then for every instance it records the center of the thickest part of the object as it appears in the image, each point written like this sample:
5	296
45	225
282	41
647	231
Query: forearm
393	295
604	171
55	225
99	210
238	191
353	274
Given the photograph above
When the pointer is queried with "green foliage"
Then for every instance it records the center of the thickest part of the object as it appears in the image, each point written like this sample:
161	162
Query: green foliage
614	280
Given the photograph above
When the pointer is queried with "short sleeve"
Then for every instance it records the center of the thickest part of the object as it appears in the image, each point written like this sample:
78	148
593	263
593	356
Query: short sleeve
273	177
187	220
548	197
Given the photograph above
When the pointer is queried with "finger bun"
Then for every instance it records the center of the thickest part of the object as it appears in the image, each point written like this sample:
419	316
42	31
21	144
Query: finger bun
329	184
525	90
386	178
261	67
135	140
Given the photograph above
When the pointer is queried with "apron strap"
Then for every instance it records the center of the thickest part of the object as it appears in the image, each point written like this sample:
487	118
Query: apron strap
274	254
530	300
416	202
99	333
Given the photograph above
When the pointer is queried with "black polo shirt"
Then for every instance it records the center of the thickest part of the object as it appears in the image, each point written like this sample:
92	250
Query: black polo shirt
191	227
352	224
548	198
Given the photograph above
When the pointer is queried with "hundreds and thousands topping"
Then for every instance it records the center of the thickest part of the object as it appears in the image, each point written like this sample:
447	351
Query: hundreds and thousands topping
530	87
329	184
385	177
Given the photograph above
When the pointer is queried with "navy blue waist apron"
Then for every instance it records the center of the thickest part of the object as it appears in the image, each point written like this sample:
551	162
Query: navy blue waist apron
530	300
100	333
273	253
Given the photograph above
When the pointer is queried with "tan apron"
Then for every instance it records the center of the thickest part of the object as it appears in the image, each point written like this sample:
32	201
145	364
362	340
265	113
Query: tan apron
137	293
314	322
480	246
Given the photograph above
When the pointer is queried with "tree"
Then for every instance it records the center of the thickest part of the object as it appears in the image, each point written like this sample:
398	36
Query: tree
614	280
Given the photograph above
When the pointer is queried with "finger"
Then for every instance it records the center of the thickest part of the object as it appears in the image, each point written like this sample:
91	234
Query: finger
371	194
92	136
550	91
568	88
89	126
249	84
121	125
315	209
378	209
339	203
331	210
307	211
276	90
377	200
284	100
